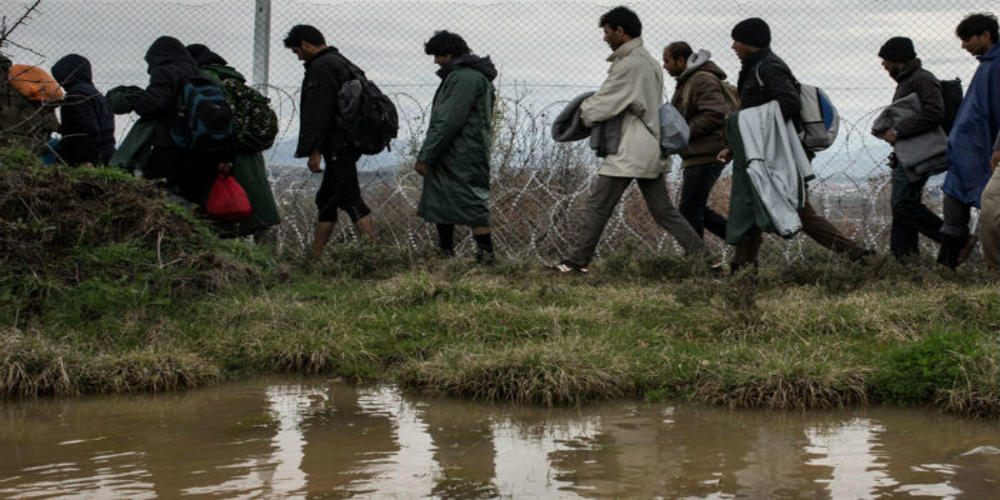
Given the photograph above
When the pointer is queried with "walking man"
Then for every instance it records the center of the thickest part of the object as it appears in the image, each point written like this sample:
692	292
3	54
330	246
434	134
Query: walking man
634	90
454	159
701	99
320	137
971	139
910	217
765	77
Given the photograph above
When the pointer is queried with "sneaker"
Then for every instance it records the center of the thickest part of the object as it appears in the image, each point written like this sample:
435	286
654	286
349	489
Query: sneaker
567	267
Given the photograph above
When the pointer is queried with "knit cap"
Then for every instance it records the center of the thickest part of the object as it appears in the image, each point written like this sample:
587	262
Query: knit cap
753	31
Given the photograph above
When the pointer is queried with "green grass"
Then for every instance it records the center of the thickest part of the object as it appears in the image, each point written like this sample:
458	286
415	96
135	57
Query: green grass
512	333
126	292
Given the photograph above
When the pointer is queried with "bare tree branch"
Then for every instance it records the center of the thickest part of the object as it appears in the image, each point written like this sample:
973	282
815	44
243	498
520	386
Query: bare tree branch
5	31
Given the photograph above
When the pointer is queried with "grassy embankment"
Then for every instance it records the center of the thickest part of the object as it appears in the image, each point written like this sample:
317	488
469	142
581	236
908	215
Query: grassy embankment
106	287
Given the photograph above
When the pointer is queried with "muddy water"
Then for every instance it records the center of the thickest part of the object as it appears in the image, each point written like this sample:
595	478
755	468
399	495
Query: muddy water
319	439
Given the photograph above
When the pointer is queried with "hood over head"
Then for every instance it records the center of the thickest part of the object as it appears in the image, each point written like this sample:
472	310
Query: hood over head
204	56
168	50
480	64
71	69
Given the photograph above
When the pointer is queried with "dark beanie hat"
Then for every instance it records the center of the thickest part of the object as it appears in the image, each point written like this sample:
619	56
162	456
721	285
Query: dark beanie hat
753	31
898	49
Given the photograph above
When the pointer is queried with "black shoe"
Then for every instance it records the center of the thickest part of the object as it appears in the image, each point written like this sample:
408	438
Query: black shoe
486	258
951	250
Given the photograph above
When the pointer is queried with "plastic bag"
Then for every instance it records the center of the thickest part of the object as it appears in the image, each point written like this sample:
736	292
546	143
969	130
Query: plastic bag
227	200
674	131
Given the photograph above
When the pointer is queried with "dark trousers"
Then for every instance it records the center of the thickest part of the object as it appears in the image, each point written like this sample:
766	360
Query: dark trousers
188	173
698	183
910	217
815	226
604	196
954	231
957	216
340	188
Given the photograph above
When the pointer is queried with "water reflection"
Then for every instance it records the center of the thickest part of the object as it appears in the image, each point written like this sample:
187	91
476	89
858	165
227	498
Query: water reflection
313	439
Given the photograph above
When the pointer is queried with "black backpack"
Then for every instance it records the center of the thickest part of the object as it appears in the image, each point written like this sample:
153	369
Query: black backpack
366	117
951	90
203	120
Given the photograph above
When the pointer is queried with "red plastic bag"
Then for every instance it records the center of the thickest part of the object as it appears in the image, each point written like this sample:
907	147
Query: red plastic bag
227	200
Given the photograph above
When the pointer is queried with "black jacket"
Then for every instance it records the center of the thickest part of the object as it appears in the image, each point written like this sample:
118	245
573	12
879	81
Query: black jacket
915	79
325	73
779	84
169	65
88	127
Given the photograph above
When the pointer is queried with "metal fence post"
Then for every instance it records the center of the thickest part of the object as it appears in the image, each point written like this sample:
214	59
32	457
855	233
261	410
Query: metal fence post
262	44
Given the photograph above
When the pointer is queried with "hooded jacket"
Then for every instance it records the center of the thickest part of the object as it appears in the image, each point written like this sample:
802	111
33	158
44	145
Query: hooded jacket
325	73
976	125
634	89
88	126
456	150
700	98
170	65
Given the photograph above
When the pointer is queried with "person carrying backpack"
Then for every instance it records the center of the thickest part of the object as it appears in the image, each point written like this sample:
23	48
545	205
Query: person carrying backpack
322	141
248	161
764	77
703	98
910	217
190	144
88	127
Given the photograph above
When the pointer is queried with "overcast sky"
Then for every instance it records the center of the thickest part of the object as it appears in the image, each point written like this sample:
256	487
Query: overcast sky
553	49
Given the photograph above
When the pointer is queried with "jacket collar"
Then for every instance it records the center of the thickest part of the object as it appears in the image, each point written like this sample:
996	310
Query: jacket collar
751	61
625	49
324	50
908	70
991	54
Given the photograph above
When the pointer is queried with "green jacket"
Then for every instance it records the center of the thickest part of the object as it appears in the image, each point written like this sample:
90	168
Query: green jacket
457	147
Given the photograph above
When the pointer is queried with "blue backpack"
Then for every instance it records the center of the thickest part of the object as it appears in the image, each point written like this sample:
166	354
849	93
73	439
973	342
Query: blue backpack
204	120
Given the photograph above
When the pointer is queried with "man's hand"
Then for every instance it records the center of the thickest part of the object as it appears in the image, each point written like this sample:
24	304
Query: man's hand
420	168
890	137
225	167
994	160
725	156
315	162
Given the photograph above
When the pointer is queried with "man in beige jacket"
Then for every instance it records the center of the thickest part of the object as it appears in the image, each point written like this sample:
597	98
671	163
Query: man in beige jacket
633	89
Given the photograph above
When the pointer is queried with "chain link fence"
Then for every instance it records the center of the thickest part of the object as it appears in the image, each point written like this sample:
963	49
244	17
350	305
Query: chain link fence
547	53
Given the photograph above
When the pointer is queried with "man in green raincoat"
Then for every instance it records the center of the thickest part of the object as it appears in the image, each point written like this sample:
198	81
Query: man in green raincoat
455	157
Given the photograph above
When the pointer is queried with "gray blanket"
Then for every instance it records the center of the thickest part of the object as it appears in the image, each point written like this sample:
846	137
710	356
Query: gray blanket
920	155
568	127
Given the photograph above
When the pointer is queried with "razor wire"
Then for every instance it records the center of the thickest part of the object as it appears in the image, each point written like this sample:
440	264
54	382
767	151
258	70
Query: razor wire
547	53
